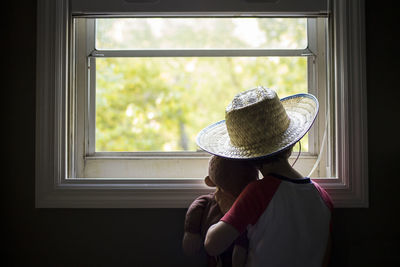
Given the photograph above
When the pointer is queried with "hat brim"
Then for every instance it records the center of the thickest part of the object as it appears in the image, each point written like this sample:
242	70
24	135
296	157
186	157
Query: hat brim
302	109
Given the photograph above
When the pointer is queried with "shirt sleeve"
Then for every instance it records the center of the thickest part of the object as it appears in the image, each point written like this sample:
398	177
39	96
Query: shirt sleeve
251	203
325	196
327	199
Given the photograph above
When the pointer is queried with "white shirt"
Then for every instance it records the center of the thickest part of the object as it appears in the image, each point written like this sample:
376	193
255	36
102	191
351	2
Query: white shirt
287	221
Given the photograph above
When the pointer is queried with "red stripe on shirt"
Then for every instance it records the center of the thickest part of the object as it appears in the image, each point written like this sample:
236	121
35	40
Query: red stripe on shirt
327	199
251	203
325	196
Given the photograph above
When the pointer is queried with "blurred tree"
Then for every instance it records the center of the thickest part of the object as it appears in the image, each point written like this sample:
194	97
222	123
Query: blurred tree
160	104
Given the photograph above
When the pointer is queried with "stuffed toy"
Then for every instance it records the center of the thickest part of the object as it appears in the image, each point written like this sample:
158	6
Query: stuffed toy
229	177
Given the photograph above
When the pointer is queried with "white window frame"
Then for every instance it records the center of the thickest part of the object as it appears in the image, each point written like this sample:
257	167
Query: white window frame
92	164
55	188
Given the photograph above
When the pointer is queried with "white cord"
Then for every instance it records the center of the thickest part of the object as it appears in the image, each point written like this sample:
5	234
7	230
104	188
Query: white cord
298	154
321	149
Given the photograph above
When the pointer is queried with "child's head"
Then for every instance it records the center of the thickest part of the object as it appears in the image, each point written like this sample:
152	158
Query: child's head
258	124
231	176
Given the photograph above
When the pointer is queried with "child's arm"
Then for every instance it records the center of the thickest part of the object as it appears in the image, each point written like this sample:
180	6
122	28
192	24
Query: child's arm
219	237
244	211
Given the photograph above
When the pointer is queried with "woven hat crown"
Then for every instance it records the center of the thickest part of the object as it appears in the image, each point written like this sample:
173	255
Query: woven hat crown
257	124
255	117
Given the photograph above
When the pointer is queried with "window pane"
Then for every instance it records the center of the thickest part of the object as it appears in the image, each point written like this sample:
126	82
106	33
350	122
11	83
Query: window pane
201	33
160	104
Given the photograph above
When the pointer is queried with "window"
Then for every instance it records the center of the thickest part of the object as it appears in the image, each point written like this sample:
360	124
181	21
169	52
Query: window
151	83
122	93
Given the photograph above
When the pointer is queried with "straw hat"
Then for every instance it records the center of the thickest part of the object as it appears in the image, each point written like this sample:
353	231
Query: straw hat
258	124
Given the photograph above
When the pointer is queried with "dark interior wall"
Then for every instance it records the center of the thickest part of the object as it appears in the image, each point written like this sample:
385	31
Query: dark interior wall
151	237
370	237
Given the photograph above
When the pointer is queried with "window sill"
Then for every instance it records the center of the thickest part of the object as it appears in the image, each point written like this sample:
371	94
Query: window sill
157	193
157	166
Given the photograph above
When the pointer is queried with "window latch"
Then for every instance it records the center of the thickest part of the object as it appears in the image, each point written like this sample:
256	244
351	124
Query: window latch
96	53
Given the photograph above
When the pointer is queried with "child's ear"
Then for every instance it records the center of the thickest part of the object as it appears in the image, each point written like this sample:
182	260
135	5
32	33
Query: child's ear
208	181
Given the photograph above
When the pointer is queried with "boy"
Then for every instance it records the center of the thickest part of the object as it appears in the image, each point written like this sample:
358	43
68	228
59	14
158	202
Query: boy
286	215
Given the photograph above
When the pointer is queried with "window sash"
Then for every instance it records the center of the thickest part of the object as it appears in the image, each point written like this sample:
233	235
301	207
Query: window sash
88	160
93	53
116	8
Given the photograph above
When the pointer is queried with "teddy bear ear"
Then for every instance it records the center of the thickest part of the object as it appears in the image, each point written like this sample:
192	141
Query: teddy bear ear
208	181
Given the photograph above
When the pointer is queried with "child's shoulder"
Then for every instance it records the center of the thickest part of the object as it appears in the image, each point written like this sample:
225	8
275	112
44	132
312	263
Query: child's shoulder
267	183
264	188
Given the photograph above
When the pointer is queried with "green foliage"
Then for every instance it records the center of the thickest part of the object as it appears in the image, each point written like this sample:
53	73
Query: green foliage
160	104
